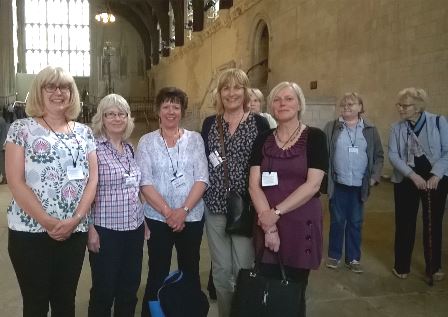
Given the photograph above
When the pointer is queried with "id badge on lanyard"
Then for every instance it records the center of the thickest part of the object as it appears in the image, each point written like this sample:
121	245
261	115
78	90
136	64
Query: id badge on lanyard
269	179
74	173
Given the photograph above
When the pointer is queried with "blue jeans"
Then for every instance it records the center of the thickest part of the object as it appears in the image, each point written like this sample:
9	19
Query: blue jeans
346	217
116	272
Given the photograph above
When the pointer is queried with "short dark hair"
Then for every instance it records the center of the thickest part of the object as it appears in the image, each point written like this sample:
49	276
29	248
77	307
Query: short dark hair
172	94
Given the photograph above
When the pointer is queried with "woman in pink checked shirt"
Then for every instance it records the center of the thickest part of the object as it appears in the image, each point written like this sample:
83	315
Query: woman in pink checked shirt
117	230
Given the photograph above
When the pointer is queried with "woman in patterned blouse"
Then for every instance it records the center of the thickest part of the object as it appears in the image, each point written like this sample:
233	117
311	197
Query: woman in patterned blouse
51	166
240	126
116	231
174	178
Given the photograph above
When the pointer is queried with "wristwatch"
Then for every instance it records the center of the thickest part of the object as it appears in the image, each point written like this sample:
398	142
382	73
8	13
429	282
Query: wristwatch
186	209
277	212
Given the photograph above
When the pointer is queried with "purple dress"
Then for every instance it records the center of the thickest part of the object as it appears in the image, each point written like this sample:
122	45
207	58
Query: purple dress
300	230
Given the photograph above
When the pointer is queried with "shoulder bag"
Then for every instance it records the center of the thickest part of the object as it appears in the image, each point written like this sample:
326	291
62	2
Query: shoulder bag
240	213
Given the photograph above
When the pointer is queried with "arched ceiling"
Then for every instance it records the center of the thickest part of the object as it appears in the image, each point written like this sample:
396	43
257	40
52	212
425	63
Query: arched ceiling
144	15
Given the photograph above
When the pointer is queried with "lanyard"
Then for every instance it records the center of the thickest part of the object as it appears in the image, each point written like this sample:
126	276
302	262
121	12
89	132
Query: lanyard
352	142
128	171
68	148
168	152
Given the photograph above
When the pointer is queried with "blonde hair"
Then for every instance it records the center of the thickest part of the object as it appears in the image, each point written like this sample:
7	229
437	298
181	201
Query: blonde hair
108	102
419	96
298	91
232	76
258	94
35	106
352	96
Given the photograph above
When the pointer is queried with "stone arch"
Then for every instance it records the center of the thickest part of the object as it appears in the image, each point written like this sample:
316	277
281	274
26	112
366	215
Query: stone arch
258	72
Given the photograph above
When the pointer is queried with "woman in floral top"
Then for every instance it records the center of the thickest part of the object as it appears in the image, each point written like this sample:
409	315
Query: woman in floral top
51	167
240	128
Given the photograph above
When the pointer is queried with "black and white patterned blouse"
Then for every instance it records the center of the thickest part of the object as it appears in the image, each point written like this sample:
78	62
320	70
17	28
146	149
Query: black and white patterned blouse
238	149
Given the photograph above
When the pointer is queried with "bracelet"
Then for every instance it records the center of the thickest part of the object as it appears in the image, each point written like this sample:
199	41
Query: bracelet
271	231
277	212
78	216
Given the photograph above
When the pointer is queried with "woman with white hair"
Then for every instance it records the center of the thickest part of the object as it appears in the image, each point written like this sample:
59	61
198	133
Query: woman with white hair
287	168
116	231
418	152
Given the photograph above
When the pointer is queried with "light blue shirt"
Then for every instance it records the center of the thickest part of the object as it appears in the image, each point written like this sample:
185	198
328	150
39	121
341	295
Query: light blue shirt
350	157
157	168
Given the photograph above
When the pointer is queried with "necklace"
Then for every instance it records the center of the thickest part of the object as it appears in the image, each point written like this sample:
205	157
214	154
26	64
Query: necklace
230	123
291	137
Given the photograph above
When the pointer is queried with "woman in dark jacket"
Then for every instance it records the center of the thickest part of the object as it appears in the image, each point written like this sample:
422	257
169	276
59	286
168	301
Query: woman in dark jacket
229	253
356	161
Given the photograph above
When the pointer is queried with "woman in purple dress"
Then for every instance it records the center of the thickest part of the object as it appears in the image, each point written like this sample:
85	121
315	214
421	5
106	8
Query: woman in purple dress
287	167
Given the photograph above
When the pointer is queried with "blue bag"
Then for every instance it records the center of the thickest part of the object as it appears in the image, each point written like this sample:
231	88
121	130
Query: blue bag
179	296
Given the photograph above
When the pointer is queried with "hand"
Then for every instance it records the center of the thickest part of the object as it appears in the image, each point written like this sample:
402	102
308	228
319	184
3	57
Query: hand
433	182
373	182
267	219
93	242
419	182
63	229
177	219
49	223
147	231
272	240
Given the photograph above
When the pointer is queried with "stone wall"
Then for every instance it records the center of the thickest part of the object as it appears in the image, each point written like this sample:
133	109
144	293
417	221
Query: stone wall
374	47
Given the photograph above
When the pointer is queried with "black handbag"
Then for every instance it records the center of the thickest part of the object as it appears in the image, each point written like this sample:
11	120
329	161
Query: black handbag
261	296
240	213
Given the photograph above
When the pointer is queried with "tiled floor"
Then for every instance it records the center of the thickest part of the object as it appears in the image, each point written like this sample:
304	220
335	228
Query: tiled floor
332	293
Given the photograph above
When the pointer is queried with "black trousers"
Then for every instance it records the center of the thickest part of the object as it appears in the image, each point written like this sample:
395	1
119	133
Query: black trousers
160	246
116	272
407	201
47	271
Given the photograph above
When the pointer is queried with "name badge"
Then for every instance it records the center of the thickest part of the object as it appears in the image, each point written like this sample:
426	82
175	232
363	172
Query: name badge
74	173
178	180
353	149
269	179
130	180
215	158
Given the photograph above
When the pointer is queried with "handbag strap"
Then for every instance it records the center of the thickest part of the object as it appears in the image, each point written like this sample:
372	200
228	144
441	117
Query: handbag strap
258	258
223	151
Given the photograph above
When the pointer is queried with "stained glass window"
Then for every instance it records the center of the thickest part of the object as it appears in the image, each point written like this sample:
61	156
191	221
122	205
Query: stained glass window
57	33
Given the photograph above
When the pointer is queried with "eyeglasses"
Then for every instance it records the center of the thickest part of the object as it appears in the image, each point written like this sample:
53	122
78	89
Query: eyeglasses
404	106
51	88
349	105
113	115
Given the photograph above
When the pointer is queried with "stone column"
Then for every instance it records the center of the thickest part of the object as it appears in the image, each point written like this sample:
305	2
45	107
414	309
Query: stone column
7	72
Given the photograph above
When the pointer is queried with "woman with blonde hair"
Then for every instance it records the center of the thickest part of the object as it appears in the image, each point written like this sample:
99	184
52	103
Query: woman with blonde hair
240	127
286	168
52	172
116	230
418	152
257	103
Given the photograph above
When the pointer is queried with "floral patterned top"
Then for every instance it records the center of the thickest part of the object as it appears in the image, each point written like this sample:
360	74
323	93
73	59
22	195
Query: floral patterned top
47	156
238	148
